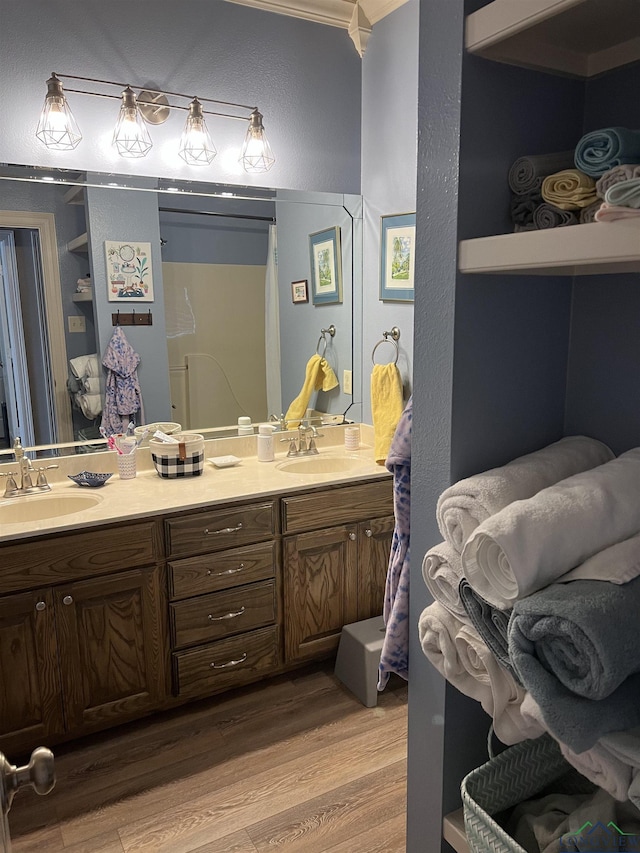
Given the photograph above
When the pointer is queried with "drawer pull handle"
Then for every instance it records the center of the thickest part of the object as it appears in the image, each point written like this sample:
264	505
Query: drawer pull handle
68	599
226	572
41	605
228	663
368	532
208	532
231	615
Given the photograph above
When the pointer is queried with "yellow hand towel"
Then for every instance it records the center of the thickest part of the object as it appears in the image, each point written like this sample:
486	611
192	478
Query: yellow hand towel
386	407
319	374
570	189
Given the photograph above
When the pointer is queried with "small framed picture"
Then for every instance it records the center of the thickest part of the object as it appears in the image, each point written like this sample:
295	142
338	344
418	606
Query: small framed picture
299	291
326	266
129	274
397	257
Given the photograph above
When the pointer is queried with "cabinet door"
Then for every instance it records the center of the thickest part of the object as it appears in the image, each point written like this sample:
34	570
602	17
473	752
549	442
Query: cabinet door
320	590
374	547
111	650
30	702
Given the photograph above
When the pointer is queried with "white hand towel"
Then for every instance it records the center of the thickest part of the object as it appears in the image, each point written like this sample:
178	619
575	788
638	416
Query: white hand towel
466	504
458	653
442	573
531	543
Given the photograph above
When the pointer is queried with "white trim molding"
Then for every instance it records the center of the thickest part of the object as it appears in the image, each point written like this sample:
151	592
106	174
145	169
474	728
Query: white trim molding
355	16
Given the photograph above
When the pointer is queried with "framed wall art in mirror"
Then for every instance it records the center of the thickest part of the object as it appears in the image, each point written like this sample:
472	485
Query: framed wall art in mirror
326	266
299	291
397	257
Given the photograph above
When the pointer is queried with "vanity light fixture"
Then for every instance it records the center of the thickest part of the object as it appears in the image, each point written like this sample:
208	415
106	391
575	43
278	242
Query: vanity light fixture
57	128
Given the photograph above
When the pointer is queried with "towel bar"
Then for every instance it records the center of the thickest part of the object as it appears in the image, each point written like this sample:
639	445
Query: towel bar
330	331
391	337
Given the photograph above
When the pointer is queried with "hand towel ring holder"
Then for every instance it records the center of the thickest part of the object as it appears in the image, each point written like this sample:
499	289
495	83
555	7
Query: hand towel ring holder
322	339
391	337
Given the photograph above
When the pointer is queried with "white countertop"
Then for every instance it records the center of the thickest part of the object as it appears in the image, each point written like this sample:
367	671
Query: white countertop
148	494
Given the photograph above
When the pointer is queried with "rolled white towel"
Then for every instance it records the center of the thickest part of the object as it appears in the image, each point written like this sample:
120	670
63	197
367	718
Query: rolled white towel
91	385
531	543
469	502
90	405
85	365
619	563
442	573
458	653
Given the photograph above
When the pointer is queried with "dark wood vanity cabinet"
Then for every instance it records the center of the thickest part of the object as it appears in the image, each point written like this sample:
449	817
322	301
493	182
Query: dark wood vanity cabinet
88	649
335	573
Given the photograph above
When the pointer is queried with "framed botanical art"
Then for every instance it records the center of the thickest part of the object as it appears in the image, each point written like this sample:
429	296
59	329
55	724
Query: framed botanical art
326	266
397	257
129	274
299	291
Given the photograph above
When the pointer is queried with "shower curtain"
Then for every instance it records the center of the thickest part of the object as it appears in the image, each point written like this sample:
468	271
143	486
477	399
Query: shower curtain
272	327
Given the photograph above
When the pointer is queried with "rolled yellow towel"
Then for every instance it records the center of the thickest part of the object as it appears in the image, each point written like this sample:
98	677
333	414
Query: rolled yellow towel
570	189
386	407
318	374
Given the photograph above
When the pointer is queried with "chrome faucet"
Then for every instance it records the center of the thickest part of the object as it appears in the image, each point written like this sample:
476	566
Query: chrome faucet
24	475
302	448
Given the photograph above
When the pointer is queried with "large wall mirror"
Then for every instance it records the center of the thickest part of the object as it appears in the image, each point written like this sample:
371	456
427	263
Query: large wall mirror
230	334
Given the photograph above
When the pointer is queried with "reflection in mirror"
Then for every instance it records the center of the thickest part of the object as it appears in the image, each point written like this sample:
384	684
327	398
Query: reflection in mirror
227	338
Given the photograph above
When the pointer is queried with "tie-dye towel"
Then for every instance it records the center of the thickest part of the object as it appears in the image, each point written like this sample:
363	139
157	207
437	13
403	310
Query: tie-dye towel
395	657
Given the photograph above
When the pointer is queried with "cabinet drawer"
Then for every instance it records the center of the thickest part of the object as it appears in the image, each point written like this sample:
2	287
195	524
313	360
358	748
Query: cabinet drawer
213	572
337	506
54	559
225	664
220	529
212	617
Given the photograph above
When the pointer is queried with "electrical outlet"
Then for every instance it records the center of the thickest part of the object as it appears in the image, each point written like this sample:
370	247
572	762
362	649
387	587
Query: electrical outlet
77	323
347	386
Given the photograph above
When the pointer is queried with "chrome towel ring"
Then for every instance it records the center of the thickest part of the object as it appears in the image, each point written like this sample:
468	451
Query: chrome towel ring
392	338
322	339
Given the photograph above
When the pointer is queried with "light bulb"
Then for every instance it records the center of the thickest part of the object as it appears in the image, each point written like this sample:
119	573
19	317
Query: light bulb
257	155
57	128
196	147
131	137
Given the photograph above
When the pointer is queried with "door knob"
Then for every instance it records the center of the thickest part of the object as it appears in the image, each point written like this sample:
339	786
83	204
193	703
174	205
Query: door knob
368	532
41	605
39	773
352	536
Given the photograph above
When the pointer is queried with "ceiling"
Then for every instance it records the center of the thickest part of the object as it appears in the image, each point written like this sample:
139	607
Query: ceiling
355	16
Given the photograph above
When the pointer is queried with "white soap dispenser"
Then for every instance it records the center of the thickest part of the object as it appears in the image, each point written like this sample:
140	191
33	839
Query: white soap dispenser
266	452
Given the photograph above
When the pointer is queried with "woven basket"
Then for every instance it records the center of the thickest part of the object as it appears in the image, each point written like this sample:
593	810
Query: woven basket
184	459
517	774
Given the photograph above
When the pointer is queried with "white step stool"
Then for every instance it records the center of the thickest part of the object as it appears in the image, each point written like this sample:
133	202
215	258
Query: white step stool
358	658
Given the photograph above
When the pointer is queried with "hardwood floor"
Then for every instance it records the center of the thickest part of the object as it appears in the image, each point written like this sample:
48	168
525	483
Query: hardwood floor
295	764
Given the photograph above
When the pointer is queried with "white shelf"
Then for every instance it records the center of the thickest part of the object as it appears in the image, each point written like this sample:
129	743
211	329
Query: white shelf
576	37
79	244
82	297
454	833
75	195
597	247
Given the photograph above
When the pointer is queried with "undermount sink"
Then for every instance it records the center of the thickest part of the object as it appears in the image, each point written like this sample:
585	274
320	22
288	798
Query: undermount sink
321	464
38	508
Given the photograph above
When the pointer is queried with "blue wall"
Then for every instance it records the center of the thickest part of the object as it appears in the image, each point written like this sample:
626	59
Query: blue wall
304	77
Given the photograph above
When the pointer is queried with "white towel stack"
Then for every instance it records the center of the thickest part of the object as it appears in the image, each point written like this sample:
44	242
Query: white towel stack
86	369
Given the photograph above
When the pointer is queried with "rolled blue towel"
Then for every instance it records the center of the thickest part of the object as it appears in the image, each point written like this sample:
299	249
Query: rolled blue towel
601	150
624	194
491	624
583	633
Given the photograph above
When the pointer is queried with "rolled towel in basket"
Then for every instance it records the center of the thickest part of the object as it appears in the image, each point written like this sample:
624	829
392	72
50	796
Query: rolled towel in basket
442	572
614	176
581	633
467	503
570	189
624	194
527	173
600	150
491	624
549	216
611	764
609	213
532	542
458	653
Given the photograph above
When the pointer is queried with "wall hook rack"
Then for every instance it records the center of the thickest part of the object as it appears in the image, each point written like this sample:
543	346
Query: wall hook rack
132	319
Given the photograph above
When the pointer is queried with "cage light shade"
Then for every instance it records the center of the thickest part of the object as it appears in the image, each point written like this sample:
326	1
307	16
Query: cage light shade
196	146
257	155
57	127
131	137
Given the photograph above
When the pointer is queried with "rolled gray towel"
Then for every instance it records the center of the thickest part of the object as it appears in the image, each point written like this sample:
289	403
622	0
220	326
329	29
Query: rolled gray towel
527	173
522	207
548	216
491	624
588	214
614	176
